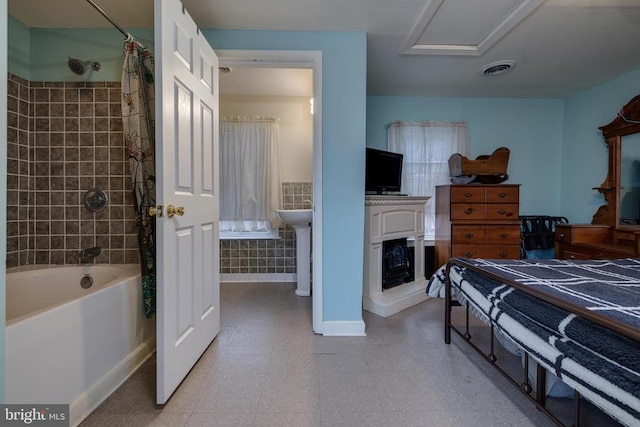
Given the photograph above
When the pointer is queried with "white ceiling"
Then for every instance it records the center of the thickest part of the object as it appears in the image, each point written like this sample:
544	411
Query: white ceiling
420	47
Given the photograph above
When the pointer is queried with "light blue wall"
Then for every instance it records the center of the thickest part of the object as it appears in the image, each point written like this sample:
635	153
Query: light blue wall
51	48
530	128
41	54
343	142
557	151
584	151
19	49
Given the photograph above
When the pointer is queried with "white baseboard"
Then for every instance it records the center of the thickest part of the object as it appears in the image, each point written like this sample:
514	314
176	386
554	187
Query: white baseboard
258	277
346	328
86	403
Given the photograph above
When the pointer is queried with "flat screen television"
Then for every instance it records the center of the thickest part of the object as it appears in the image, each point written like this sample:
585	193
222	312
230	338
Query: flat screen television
383	171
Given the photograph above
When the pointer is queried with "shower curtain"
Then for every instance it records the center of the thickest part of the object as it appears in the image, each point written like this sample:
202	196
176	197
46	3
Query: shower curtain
138	115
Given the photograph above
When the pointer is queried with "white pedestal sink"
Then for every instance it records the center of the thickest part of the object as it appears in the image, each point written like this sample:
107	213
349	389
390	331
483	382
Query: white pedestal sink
300	220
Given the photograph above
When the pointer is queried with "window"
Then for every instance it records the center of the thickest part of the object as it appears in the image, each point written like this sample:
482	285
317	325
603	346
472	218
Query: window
250	188
426	147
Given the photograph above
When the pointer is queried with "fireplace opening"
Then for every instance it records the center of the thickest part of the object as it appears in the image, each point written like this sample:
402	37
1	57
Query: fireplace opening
396	263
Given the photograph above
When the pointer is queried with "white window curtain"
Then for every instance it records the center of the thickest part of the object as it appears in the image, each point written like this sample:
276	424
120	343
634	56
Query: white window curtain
250	187
426	147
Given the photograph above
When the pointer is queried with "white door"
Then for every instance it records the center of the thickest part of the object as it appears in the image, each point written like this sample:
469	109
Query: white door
187	162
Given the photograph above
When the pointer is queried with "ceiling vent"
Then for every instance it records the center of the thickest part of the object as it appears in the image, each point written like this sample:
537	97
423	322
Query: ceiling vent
496	68
224	70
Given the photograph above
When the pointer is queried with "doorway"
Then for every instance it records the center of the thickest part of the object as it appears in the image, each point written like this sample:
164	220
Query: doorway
292	60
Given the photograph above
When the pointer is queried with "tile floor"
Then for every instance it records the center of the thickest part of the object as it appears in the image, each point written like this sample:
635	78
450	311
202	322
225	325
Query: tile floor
266	368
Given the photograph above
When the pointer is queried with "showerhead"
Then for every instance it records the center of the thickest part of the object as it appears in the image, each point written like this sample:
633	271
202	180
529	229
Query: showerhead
76	66
79	67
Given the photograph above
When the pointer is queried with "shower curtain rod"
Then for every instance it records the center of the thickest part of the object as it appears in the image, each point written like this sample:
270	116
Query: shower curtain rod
103	13
254	119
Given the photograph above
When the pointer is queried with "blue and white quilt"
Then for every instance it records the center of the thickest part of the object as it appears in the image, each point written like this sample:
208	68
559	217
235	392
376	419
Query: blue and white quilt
604	366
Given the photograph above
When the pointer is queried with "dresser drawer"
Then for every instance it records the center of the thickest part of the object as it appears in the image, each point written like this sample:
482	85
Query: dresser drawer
503	234
502	195
468	234
467	194
576	255
589	234
485	234
486	251
590	252
462	211
489	194
508	211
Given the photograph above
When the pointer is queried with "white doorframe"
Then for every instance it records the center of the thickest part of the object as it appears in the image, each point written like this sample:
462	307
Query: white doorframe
297	59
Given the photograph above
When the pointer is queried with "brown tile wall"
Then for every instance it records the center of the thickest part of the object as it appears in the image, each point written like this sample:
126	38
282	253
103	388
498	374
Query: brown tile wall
63	139
267	256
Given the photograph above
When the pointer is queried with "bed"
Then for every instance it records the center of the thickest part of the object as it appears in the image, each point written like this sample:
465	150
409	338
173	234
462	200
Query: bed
578	321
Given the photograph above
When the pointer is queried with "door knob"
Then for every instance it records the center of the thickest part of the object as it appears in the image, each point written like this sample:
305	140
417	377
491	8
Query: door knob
174	210
155	211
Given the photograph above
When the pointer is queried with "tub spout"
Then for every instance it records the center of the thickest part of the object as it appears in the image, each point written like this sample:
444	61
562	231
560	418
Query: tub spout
89	254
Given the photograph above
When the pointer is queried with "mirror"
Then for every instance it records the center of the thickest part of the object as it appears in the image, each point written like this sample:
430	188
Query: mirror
630	180
621	187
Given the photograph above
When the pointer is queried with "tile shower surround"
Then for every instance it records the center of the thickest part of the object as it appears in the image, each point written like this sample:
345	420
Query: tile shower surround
63	139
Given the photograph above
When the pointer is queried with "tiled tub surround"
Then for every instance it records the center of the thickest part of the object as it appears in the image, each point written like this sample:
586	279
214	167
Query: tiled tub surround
63	139
266	259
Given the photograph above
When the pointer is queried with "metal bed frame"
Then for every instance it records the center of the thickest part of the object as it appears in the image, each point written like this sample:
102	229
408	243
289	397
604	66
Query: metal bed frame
526	388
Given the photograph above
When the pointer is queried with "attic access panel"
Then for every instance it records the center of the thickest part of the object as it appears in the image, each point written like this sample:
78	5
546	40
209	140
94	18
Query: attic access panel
452	27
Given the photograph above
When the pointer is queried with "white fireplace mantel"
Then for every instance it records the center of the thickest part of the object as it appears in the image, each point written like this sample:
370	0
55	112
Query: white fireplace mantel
389	218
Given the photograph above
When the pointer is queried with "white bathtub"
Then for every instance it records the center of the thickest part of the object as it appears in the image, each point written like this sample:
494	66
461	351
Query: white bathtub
65	344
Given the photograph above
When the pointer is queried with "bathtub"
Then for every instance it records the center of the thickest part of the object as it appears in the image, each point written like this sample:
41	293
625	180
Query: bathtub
70	345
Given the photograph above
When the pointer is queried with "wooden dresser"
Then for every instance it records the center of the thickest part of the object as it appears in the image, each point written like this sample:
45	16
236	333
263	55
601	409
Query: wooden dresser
588	241
614	231
477	221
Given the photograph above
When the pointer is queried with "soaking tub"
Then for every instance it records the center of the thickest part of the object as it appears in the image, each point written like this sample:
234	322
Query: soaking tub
71	345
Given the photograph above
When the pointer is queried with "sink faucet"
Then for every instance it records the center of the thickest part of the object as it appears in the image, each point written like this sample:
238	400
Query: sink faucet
89	254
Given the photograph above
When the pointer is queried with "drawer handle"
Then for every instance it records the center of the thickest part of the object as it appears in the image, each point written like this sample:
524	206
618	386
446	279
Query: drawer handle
505	213
469	254
468	211
502	195
560	237
503	255
469	235
504	235
572	257
468	194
